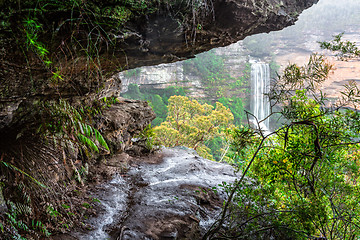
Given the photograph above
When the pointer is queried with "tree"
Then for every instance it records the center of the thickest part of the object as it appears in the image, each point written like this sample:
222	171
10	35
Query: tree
236	105
157	98
304	177
209	67
191	124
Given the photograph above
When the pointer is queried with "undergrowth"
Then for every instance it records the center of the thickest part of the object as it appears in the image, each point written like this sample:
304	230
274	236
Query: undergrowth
43	169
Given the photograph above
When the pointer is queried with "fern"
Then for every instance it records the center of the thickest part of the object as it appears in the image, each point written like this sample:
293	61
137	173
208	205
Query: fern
88	142
23	208
37	225
52	212
87	132
12	216
101	139
66	120
9	165
15	210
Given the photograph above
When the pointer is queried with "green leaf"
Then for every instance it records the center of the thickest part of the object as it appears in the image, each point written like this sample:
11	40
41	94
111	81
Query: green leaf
101	139
9	165
88	142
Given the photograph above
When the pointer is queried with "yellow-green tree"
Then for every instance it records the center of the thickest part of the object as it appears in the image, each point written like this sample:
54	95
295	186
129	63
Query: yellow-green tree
191	124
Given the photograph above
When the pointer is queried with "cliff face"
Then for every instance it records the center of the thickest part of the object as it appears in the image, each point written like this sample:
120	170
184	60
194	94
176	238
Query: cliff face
233	58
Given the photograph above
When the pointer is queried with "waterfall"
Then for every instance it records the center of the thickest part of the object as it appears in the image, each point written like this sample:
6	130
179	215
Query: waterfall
260	84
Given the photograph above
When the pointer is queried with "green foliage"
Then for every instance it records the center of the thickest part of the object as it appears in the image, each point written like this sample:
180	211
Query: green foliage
304	176
132	73
15	224
274	69
67	127
54	30
69	124
216	146
37	225
236	106
133	92
148	135
52	212
158	106
241	140
120	14
158	99
210	68
96	200
24	155
61	35
32	29
171	91
243	81
12	167
19	219
63	42
108	102
192	124
220	146
343	49
220	86
311	166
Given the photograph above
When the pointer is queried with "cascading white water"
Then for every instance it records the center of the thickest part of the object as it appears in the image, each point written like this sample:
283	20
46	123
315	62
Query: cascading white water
260	85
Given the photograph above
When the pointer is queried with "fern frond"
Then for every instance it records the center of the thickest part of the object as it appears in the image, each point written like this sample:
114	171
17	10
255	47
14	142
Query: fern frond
89	130
88	142
101	139
80	127
9	165
23	209
39	225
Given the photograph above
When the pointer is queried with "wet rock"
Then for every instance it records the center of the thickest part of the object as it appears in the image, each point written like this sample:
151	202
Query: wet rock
63	237
123	120
108	167
166	197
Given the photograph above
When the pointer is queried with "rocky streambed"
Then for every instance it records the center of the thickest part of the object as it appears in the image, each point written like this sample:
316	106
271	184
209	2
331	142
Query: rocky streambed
165	195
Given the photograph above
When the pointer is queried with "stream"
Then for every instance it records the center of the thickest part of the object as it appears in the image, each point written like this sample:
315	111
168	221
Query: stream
164	200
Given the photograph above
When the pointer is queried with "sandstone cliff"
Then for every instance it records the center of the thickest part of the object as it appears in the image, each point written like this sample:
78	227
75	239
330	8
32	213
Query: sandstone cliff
233	57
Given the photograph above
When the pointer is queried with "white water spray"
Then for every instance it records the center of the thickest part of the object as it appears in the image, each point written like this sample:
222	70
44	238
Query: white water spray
260	85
